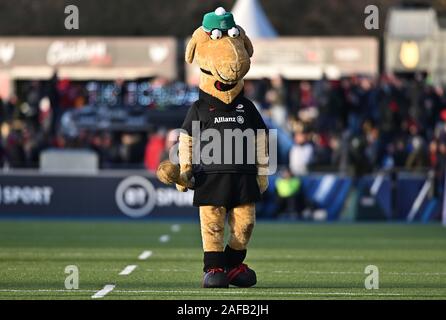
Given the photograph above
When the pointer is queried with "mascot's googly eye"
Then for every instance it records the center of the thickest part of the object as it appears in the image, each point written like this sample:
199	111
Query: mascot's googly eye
234	32
216	34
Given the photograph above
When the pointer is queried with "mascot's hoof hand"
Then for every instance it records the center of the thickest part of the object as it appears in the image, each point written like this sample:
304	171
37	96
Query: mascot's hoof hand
168	172
215	278
186	179
181	188
263	183
242	276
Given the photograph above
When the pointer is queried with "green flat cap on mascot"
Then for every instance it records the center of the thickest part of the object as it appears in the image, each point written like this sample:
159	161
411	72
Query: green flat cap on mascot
219	19
226	181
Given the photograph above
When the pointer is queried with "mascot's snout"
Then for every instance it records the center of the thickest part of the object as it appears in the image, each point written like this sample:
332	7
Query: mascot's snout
231	63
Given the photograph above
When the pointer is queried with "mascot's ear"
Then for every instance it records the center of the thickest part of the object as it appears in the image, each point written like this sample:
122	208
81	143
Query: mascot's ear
198	36
190	50
248	44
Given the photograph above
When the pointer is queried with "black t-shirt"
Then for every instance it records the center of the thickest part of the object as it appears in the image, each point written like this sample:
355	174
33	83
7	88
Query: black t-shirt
224	134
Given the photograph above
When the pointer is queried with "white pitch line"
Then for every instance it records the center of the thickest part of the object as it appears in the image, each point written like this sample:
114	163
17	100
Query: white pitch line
357	272
46	290
127	270
145	255
110	288
318	272
269	293
104	291
296	257
175	228
418	273
164	238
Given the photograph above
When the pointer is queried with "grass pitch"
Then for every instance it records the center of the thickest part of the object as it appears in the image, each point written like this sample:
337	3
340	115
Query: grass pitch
292	261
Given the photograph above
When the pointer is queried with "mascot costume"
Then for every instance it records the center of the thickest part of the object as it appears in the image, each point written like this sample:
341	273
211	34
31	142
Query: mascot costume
222	189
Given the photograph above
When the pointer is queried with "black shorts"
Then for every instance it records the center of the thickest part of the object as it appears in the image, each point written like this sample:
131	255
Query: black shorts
225	189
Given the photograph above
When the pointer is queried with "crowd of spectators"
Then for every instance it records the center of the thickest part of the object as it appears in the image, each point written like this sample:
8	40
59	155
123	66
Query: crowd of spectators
359	124
355	125
32	120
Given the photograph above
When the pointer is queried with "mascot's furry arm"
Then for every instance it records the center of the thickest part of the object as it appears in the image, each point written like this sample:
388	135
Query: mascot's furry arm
262	160
181	174
185	159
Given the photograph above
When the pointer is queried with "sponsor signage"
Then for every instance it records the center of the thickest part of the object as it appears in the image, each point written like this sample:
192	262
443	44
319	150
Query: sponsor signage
83	57
110	195
309	58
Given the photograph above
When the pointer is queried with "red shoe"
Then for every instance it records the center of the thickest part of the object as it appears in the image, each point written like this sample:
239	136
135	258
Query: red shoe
215	278
242	276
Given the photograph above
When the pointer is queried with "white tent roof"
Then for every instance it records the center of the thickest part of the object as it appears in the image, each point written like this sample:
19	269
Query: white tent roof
412	23
251	17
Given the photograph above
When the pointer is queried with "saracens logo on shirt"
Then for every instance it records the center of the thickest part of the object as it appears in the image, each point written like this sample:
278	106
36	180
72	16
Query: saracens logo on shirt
238	119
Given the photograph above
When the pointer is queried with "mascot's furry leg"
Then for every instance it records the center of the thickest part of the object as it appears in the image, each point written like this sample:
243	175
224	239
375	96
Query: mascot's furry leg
212	220
241	222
